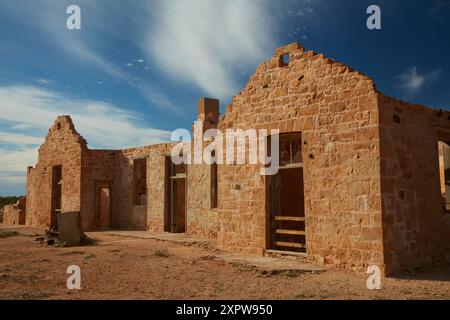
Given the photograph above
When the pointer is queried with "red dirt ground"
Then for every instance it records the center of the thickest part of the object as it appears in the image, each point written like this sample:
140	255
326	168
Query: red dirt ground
118	267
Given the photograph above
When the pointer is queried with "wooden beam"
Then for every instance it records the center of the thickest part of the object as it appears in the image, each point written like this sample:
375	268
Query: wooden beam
284	218
291	166
286	253
290	245
292	232
179	176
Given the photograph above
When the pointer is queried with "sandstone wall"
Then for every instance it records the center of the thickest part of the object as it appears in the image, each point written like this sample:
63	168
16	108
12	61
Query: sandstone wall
416	230
201	218
371	170
97	166
84	169
202	213
14	214
125	213
336	110
62	147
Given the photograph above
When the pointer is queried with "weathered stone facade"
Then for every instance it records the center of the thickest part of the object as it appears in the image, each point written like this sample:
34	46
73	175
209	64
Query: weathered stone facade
62	147
14	214
370	165
415	225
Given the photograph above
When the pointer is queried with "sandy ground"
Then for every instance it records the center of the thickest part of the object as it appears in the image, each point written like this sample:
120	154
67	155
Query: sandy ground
119	267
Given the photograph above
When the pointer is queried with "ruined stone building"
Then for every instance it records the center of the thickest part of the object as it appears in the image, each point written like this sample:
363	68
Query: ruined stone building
363	177
14	214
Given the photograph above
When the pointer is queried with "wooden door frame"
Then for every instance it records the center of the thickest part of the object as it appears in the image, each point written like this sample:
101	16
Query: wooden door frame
98	186
270	212
270	180
172	211
169	196
53	209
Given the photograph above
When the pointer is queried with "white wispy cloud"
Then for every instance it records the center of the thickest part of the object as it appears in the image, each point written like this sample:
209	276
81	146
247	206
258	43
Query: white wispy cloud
45	81
13	165
18	139
412	81
207	42
200	42
88	45
103	125
160	100
49	18
21	127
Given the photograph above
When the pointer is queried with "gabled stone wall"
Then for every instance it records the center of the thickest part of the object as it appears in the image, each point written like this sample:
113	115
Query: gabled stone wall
63	146
336	110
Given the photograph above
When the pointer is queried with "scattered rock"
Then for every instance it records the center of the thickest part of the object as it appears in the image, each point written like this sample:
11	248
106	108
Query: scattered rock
163	253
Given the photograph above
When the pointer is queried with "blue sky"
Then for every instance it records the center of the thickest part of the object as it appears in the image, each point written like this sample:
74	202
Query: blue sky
135	70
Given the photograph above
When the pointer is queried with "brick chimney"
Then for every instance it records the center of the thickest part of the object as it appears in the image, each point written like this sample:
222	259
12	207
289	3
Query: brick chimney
208	113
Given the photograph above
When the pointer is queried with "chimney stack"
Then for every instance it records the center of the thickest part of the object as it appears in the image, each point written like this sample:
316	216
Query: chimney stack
208	113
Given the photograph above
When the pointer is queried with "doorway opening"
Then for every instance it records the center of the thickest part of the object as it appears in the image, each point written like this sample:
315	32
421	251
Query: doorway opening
140	181
444	174
286	227
175	217
102	217
56	195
